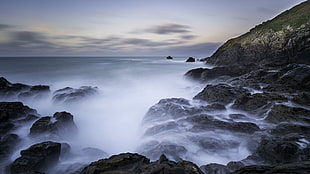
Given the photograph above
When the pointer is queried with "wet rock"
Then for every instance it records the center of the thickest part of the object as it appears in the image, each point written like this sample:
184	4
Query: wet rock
190	59
174	108
8	143
220	93
61	125
288	128
9	90
214	107
283	113
137	164
302	167
161	128
169	57
205	74
256	103
35	92
68	94
206	122
211	144
39	157
302	98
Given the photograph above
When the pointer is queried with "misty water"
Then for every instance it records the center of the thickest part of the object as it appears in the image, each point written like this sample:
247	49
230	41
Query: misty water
112	119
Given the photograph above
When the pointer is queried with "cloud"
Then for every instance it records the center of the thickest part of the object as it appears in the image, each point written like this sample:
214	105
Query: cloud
187	37
5	26
169	28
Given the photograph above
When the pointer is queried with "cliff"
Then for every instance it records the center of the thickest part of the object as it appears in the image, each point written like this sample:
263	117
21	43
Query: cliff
277	42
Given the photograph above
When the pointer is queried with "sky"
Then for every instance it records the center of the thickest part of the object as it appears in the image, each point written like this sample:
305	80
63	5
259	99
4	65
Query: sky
128	27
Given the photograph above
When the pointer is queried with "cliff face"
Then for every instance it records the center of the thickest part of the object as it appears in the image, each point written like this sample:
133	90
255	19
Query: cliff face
280	41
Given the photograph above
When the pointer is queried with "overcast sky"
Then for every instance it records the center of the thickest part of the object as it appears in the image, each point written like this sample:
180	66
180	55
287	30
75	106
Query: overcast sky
128	27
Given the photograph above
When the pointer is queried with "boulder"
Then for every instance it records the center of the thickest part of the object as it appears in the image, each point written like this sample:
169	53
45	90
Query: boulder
191	59
169	57
8	143
61	125
283	113
39	157
137	164
69	95
220	93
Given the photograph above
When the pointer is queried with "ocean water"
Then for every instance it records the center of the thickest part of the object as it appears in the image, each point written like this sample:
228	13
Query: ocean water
128	87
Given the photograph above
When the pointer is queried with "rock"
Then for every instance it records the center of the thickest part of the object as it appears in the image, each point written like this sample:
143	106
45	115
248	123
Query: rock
39	157
302	167
206	122
9	90
8	143
35	92
173	108
68	94
190	59
283	113
205	74
257	103
220	93
93	153
302	98
154	149
61	125
137	164
283	129
214	107
161	128
169	57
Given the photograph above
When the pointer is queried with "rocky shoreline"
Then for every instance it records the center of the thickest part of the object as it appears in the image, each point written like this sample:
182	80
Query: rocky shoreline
255	106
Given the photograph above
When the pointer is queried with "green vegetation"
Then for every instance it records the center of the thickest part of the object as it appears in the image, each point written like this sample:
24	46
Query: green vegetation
293	18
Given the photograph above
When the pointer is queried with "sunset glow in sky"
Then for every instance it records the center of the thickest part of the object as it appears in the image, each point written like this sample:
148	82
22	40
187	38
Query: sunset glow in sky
127	27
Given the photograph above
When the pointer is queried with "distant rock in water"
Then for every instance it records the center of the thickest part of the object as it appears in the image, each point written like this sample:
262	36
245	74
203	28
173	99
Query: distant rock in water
191	59
68	94
10	90
169	57
277	42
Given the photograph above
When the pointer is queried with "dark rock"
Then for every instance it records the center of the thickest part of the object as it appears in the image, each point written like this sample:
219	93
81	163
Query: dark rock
283	113
161	128
61	125
206	122
302	167
211	144
288	128
214	168
72	95
205	74
39	157
214	107
8	143
35	92
220	93
9	90
302	98
169	57
154	149
237	116
137	164
257	103
170	108
190	59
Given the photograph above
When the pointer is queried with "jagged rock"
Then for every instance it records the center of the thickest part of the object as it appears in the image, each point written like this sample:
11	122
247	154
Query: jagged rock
302	167
283	113
7	144
289	128
39	157
169	57
254	103
220	93
60	125
36	92
137	164
302	98
206	122
171	108
68	94
205	74
191	59
154	149
9	90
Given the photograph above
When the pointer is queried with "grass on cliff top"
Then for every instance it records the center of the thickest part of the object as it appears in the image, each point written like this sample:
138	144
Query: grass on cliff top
293	17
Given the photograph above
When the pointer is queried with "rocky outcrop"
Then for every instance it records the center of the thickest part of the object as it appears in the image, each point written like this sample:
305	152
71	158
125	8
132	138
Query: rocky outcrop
60	126
190	59
37	158
280	41
137	164
69	95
